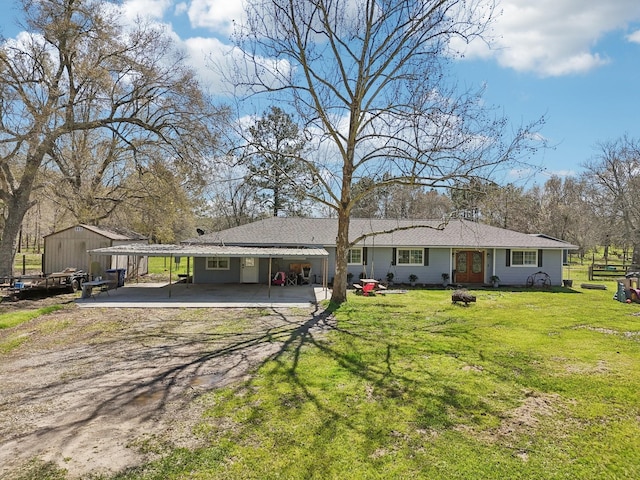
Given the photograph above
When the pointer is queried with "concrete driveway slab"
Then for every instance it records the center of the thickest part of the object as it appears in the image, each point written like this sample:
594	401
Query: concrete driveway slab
181	295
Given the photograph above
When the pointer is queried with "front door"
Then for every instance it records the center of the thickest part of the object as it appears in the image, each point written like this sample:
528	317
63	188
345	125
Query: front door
249	272
469	267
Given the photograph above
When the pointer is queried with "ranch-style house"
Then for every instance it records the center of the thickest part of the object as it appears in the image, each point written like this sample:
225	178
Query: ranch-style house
304	250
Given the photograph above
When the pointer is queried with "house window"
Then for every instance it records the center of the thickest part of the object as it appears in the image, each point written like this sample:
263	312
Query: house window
354	257
524	258
410	256
217	263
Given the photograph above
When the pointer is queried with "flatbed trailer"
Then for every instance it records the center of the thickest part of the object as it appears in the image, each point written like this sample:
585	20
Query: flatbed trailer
69	280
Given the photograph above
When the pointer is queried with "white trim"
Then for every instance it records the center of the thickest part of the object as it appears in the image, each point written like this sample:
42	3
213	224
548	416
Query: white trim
493	264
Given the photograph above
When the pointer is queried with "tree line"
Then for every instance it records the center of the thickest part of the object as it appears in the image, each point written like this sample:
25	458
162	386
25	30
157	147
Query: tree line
104	122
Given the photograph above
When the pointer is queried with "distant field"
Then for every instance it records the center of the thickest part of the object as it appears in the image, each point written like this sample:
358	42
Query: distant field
27	262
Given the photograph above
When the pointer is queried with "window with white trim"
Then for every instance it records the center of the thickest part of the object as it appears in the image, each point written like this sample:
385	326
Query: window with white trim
354	256
410	256
524	258
217	263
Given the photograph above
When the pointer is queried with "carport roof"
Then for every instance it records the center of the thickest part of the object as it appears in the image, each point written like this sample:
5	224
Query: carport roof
187	250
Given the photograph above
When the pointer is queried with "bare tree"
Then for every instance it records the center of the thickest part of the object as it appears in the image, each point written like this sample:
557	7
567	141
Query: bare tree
563	208
399	202
229	201
157	205
367	79
615	174
77	91
511	207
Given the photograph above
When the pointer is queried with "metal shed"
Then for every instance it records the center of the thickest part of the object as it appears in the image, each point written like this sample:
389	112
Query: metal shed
68	248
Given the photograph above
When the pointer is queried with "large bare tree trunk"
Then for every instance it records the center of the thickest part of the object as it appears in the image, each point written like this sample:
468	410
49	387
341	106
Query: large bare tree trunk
18	206
7	244
339	294
18	199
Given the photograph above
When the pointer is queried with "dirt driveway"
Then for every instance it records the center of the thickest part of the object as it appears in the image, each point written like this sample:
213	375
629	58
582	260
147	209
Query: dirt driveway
85	388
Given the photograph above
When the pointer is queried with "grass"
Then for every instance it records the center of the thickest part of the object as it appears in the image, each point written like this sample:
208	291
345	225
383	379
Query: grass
520	385
161	265
27	262
8	320
12	319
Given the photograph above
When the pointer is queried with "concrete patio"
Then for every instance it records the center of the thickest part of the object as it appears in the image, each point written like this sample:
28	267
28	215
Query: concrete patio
182	295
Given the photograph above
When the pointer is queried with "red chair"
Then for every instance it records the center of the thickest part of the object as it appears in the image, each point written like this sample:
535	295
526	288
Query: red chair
279	279
369	289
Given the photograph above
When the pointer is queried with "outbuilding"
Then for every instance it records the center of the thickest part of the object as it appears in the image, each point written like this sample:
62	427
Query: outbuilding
69	248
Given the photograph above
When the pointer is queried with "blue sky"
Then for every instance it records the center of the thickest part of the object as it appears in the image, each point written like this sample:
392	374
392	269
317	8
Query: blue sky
576	62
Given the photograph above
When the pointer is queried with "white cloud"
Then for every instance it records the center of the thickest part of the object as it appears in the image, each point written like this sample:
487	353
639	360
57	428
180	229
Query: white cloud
217	15
181	8
204	53
516	174
153	9
214	60
634	37
553	37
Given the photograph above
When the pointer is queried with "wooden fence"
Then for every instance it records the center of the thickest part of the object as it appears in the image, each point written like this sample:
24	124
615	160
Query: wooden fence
607	271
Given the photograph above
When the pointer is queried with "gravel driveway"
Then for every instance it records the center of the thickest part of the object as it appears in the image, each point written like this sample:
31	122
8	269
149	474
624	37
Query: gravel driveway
84	387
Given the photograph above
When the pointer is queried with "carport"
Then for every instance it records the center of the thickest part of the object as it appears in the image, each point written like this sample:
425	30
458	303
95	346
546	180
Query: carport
171	251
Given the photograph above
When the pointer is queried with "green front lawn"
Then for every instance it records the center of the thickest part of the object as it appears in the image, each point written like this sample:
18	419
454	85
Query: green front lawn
520	385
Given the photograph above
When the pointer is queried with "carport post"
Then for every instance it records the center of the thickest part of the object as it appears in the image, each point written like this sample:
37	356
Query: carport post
170	267
269	289
325	274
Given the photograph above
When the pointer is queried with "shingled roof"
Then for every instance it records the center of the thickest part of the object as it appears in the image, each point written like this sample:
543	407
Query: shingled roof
315	232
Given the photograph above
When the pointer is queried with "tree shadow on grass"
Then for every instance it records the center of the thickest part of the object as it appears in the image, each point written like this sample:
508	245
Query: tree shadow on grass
106	388
397	375
144	378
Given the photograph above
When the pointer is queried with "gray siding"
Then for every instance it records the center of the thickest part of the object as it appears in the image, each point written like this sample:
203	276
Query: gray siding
202	275
379	262
517	275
